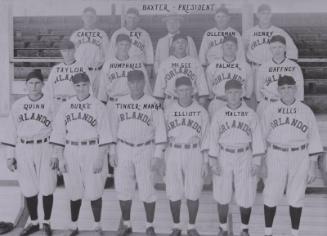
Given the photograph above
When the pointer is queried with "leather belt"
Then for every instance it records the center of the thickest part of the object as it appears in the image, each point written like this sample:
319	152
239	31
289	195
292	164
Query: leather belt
184	146
171	97
287	149
112	99
95	68
83	143
136	145
270	99
234	150
252	63
34	141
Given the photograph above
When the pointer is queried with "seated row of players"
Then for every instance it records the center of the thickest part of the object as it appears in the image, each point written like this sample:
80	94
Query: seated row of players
135	130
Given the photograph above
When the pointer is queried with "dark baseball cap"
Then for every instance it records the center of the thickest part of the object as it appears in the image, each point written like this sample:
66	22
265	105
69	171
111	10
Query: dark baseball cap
66	45
230	38
35	74
179	36
233	84
277	38
123	37
286	80
133	10
80	77
183	81
222	9
89	9
264	7
134	75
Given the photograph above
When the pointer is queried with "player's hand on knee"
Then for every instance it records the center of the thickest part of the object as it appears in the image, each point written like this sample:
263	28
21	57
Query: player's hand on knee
254	169
63	167
12	164
113	159
158	165
311	174
98	165
204	169
54	163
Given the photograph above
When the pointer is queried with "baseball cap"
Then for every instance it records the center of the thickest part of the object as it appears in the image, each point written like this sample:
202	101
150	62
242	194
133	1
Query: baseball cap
135	75
80	77
183	81
66	44
264	7
35	74
133	10
278	38
222	9
89	9
230	38
173	16
179	36
286	80
123	37
233	84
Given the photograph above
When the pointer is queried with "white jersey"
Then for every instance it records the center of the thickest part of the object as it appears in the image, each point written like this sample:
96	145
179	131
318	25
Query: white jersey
173	68
220	71
141	44
163	50
211	45
113	78
257	42
235	128
268	75
291	125
29	120
91	47
187	125
82	120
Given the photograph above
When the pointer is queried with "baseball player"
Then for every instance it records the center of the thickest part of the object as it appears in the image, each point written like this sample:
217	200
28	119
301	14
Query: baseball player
80	136
29	151
179	64
186	158
91	44
212	39
163	50
227	68
290	130
235	150
59	87
268	74
257	39
141	42
113	79
137	150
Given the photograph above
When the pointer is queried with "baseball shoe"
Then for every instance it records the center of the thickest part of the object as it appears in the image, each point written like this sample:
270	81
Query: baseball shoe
30	229
222	233
71	232
47	229
176	232
150	231
124	230
98	231
243	233
192	232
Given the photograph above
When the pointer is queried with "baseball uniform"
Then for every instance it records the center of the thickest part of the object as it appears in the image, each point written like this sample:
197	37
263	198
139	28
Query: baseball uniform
211	44
173	68
235	139
113	78
219	72
257	42
141	48
186	129
81	127
291	134
163	50
140	129
59	87
27	140
267	77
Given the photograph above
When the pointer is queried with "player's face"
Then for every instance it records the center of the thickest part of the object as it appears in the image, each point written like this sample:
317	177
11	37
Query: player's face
89	19
277	49
136	87
233	97
180	46
132	21
82	89
34	86
229	49
221	20
184	92
68	54
173	25
264	17
123	47
287	92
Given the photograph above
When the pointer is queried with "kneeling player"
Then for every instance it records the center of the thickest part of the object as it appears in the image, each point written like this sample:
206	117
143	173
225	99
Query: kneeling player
234	151
81	136
29	151
187	122
291	133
